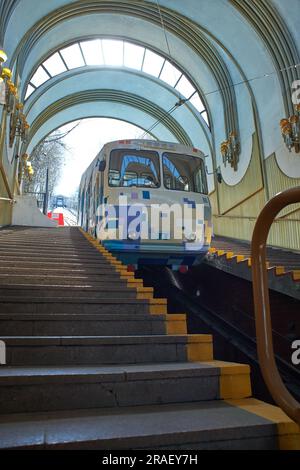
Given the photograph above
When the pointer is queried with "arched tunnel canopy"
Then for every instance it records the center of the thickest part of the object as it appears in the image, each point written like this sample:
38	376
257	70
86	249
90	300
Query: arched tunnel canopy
122	86
244	93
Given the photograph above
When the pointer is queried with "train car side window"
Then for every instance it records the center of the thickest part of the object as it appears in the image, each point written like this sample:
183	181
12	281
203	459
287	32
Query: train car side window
129	168
184	173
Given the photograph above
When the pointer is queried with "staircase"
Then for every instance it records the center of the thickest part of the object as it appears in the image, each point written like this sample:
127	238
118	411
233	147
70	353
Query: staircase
94	361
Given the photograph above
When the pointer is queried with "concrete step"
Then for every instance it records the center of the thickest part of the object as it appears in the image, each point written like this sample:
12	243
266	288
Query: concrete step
80	305
100	280
109	291
56	263
45	250
206	425
31	389
57	324
56	257
43	245
57	270
77	350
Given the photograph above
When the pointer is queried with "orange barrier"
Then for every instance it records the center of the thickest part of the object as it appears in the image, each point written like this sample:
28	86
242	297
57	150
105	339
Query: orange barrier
58	216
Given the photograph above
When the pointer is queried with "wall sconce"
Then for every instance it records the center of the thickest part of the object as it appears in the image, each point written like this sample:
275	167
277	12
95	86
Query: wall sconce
23	127
27	167
230	150
8	91
18	125
3	58
290	130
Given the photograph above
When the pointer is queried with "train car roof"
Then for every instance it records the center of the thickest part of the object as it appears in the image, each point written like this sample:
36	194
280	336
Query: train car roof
157	144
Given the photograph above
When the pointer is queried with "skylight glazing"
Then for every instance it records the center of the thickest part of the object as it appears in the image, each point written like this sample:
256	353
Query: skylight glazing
152	63
113	52
116	53
55	65
72	56
133	56
92	51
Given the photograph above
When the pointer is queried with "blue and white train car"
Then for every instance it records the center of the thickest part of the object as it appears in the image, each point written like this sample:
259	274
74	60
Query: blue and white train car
146	201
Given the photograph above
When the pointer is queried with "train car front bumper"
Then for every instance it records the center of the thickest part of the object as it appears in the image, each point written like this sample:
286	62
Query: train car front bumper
164	254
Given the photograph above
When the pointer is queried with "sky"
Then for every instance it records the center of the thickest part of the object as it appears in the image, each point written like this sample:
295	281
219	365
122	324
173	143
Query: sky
84	143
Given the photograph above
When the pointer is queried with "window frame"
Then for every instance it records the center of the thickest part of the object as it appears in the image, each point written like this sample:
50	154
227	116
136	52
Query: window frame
202	171
157	153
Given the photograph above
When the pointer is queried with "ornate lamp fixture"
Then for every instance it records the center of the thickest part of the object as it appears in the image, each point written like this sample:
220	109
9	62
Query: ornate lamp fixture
230	150
27	167
8	91
3	58
18	125
290	129
22	128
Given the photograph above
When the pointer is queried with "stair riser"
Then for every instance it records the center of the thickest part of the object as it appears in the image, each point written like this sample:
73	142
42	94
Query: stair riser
54	307
63	259
49	247
94	354
60	271
48	293
23	250
80	278
93	394
104	266
58	282
46	249
81	328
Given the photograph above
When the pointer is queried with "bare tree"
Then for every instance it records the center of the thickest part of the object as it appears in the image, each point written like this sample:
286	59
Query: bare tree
49	154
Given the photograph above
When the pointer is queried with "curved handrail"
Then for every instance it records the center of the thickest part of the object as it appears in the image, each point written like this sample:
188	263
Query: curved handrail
263	322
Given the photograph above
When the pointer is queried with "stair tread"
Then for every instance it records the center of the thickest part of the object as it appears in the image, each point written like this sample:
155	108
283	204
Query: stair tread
121	286
73	300
83	316
87	340
124	372
133	427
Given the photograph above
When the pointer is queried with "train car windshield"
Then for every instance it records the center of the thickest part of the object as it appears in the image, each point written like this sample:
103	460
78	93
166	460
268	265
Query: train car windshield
184	173
129	168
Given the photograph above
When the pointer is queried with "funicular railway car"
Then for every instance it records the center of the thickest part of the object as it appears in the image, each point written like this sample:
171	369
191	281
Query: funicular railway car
147	202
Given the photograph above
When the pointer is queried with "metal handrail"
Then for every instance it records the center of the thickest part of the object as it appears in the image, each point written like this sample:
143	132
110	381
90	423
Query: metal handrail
263	322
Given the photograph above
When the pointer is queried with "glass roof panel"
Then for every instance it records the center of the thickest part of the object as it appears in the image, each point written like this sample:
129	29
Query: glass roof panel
185	87
133	56
152	63
197	102
170	74
29	91
39	77
55	65
72	56
92	51
113	52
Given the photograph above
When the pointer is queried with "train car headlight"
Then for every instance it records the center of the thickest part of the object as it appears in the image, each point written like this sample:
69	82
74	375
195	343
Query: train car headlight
133	236
191	237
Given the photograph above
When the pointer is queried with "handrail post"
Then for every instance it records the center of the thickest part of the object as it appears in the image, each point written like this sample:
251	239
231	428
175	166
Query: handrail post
263	321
